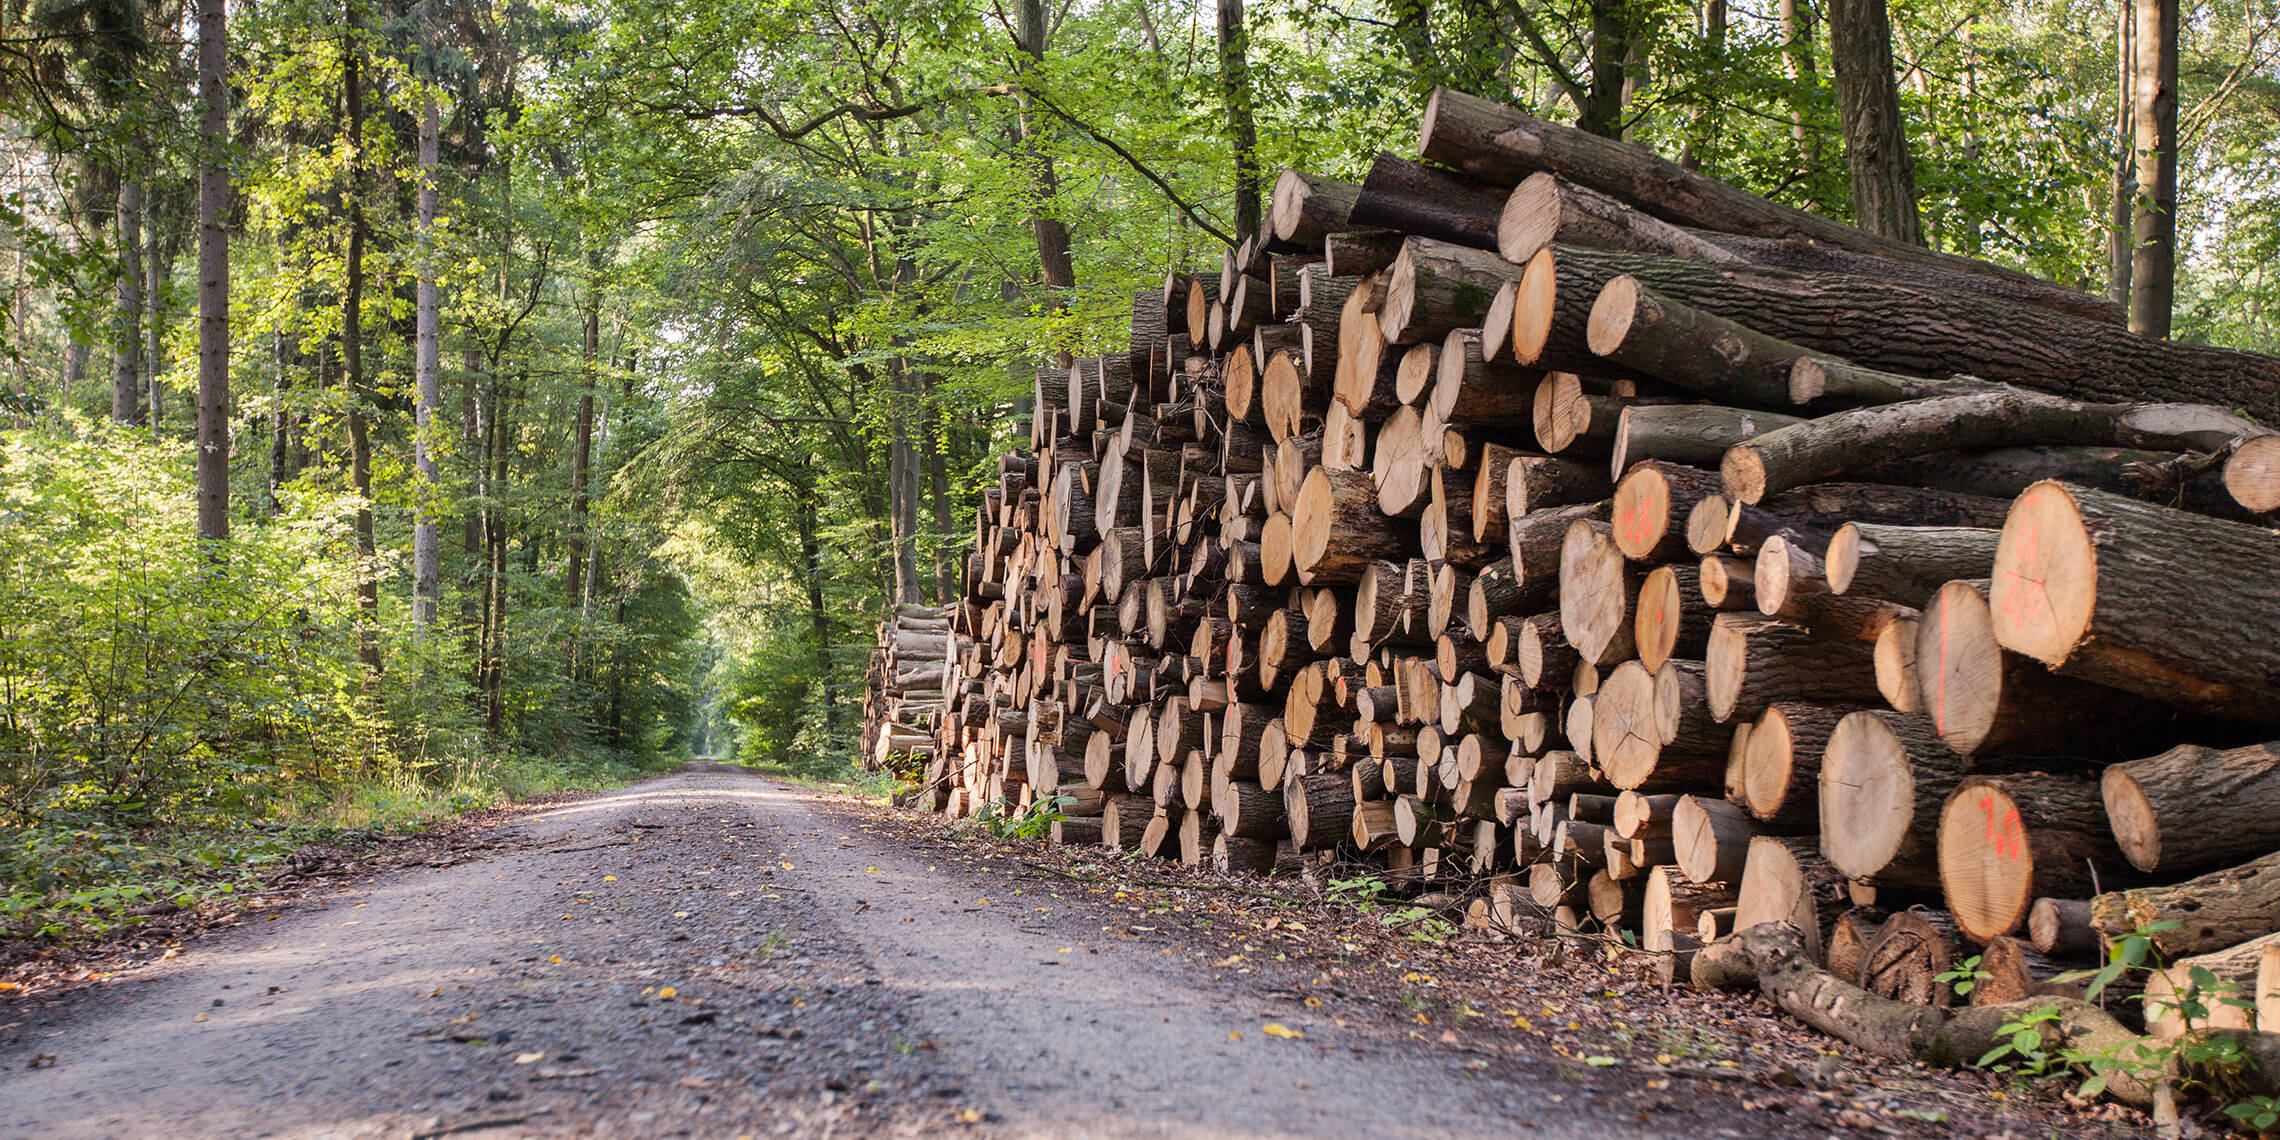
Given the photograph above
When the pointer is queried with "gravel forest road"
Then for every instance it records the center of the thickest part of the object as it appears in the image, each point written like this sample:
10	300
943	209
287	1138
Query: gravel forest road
715	953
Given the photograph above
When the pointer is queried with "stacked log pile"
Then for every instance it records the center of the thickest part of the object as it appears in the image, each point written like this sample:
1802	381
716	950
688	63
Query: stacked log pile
902	701
1624	555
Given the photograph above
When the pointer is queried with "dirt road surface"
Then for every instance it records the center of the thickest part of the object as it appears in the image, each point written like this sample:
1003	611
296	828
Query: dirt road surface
719	954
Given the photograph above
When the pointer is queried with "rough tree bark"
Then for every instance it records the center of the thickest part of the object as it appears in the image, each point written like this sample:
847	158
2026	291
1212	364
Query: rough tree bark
2153	120
1868	103
213	272
427	552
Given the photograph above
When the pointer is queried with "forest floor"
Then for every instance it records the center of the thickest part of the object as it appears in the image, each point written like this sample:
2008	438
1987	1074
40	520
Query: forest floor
717	953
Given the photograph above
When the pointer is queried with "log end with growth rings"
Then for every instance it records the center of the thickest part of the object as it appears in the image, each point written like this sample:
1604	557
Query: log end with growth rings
1530	219
2046	575
1868	795
1532	307
1613	314
1987	868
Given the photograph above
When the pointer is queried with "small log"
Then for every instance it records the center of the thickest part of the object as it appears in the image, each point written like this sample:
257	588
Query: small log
1907	956
1783	760
1652	503
1672	620
1906	562
1693	435
2228	1001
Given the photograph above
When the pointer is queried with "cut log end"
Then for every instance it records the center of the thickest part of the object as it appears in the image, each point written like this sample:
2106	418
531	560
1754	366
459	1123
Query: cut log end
1613	314
2252	474
2046	575
1987	867
1743	472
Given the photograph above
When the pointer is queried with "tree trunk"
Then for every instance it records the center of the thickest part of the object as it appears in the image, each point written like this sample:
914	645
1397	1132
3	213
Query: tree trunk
1052	233
1876	138
352	350
2153	123
213	272
1884	777
1407	196
582	433
127	323
427	551
1235	101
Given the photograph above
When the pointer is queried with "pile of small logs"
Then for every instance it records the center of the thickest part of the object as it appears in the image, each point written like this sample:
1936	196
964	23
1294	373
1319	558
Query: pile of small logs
1617	554
902	701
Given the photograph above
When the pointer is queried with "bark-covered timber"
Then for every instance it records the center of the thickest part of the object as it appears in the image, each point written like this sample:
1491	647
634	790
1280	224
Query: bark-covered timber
2195	806
1545	208
1906	562
1696	435
1436	286
1986	700
2212	911
2143	598
1413	198
1754	661
1859	438
1884	778
1911	330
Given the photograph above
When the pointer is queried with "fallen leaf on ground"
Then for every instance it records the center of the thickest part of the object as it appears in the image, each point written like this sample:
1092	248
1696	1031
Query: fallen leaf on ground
668	993
529	1058
1278	1029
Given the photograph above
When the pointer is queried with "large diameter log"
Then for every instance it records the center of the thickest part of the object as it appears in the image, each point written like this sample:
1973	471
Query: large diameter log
2005	841
2195	806
2143	598
1502	144
1884	779
1337	529
1786	880
1911	330
1597	587
2213	911
1754	661
1986	700
1906	562
1822	449
1651	507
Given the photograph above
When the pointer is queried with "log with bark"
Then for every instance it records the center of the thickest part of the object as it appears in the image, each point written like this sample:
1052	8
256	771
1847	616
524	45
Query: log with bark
2143	598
